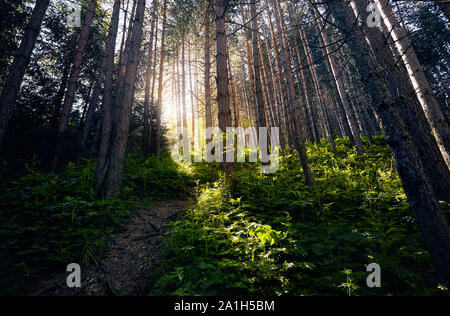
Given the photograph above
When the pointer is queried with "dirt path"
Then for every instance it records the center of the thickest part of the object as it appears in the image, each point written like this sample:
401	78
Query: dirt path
135	252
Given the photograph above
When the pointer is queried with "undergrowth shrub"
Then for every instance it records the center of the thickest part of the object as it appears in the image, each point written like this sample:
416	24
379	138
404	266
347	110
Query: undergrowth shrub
48	221
272	235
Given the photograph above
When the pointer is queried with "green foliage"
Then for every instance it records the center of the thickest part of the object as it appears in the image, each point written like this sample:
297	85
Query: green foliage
272	235
155	179
48	221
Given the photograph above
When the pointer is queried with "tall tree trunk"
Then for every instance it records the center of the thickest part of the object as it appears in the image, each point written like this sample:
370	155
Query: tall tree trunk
120	82
233	90
434	115
19	65
257	66
322	110
160	81
107	111
250	66
183	79
266	83
117	160
57	103
341	89
429	215
76	67
207	19
92	106
191	93
287	66
278	86
148	78
223	95
311	123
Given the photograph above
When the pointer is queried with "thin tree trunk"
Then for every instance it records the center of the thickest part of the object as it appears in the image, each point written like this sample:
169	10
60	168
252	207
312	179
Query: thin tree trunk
183	80
223	95
286	61
208	113
76	67
19	65
106	121
341	89
283	86
160	81
322	110
233	90
60	96
117	160
191	93
148	78
250	66
93	102
257	67
266	83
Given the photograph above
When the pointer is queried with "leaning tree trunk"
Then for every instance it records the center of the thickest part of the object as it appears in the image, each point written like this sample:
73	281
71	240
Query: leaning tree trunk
434	115
341	89
119	145
411	110
287	67
76	67
19	65
312	69
106	121
429	215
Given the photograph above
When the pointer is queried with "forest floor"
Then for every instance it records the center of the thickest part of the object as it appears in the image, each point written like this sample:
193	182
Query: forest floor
134	253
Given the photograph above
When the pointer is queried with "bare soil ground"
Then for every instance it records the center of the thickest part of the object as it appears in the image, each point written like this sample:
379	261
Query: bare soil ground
134	253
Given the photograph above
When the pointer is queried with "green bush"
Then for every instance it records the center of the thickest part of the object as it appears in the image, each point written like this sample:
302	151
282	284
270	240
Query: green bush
272	235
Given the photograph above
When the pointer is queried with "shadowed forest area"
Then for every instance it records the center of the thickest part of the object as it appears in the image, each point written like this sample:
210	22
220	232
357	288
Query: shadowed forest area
225	147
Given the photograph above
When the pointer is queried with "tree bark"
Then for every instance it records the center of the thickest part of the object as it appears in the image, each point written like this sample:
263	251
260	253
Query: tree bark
223	94
341	89
106	121
148	78
434	115
119	145
287	66
411	110
257	67
76	67
160	81
19	65
322	110
207	19
429	215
